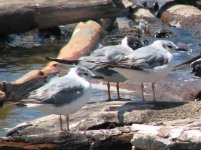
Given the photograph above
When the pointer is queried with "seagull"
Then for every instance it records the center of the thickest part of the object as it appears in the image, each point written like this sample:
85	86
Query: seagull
64	95
108	54
146	64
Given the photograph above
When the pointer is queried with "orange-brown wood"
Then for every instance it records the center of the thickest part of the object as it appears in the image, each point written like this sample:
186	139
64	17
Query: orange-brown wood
84	39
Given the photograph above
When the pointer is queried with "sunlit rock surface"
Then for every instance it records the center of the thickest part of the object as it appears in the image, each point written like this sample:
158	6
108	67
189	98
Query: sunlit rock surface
114	125
181	15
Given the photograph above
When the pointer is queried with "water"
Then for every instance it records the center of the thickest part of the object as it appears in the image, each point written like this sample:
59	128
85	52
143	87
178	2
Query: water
15	63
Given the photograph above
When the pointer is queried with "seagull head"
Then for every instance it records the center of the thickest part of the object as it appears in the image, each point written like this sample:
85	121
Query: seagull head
168	45
83	72
132	42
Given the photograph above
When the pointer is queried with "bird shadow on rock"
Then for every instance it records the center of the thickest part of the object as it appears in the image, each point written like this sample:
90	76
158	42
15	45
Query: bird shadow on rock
145	107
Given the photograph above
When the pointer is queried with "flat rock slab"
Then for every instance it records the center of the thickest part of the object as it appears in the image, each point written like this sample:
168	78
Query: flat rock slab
108	115
110	125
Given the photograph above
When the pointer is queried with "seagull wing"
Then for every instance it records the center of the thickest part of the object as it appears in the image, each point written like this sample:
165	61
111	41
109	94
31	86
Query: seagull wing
57	92
143	59
112	53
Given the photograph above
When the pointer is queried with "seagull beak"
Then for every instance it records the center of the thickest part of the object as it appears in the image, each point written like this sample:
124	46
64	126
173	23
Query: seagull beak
181	49
97	77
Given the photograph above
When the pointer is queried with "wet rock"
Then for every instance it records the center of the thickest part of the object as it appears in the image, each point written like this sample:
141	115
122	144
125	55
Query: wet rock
196	65
123	22
150	4
43	39
150	26
142	13
163	33
108	24
180	15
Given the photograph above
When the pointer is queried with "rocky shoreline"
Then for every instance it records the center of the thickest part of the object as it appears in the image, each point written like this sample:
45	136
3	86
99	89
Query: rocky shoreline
114	125
171	123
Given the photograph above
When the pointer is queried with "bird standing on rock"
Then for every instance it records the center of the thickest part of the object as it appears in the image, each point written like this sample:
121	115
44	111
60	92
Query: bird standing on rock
147	64
108	54
63	95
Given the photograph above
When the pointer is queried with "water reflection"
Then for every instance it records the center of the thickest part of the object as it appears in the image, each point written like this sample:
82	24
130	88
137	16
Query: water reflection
10	116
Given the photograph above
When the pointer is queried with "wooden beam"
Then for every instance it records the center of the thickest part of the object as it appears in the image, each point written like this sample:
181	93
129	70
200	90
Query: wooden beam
22	15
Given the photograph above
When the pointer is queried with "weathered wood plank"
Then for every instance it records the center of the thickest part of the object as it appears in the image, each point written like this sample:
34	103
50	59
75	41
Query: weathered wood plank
22	15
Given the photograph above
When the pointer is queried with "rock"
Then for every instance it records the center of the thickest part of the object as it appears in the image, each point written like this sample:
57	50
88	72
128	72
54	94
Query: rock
123	22
150	26
108	115
180	15
150	4
112	125
163	33
127	3
142	13
107	125
196	67
166	137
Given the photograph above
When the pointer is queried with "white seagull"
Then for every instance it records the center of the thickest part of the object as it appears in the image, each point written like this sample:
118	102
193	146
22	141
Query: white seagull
147	64
63	95
106	54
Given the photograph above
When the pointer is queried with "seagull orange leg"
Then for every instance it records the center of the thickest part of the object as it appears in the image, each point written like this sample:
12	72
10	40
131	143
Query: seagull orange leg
60	120
142	91
153	90
67	122
118	93
108	90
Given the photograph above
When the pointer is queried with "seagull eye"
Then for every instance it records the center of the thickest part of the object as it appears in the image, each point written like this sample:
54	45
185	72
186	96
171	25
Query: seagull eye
170	46
85	74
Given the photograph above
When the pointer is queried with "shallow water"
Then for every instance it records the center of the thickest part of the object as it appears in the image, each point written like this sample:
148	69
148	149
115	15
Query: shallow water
15	63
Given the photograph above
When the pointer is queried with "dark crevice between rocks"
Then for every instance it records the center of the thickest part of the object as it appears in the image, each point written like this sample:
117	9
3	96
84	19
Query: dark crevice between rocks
118	142
106	125
198	96
112	145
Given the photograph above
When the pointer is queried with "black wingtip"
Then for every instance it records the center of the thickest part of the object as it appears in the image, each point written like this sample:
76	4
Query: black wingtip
63	61
48	58
136	68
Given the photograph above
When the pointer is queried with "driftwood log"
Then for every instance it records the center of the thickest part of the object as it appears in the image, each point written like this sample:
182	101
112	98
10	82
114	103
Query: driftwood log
22	15
86	34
